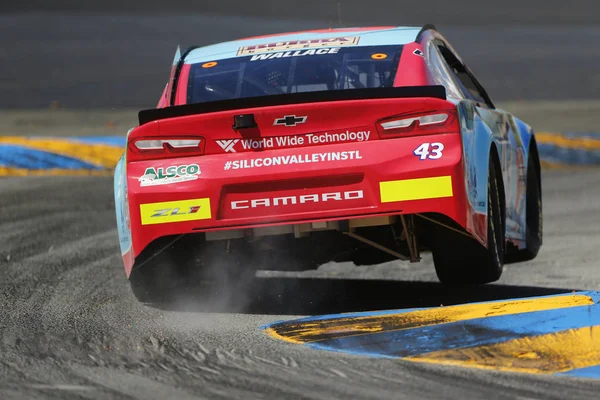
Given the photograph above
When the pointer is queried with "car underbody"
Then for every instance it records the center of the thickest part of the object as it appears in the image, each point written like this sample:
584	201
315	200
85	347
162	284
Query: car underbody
363	241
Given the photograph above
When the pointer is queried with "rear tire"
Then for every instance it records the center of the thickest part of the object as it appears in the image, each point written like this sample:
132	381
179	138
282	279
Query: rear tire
157	270
533	215
460	259
173	267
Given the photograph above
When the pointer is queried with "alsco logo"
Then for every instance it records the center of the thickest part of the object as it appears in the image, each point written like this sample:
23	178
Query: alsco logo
173	174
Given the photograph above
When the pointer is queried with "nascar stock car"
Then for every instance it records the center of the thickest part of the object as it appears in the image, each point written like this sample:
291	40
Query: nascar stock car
356	144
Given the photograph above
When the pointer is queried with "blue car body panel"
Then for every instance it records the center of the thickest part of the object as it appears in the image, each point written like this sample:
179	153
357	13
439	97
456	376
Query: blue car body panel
122	206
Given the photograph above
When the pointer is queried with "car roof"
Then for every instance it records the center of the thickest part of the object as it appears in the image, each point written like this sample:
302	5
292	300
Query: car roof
367	36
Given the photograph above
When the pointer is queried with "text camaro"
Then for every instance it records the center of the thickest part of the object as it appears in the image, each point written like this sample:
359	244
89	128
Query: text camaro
303	199
360	145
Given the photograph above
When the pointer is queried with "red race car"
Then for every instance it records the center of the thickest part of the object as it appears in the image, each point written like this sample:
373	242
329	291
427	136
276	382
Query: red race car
292	150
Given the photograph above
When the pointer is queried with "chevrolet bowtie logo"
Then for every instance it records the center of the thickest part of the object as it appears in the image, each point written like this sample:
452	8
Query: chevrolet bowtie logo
290	120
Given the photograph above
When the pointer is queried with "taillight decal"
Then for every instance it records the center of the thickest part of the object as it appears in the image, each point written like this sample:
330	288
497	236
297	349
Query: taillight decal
439	121
422	120
153	148
158	144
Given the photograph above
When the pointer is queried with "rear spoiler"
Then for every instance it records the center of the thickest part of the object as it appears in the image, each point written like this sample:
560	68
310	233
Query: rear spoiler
156	114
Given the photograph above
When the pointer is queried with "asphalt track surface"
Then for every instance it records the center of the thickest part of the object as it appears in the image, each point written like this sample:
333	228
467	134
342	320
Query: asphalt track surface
70	327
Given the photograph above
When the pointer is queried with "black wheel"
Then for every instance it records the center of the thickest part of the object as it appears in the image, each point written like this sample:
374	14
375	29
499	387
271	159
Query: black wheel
533	215
173	267
158	271
460	259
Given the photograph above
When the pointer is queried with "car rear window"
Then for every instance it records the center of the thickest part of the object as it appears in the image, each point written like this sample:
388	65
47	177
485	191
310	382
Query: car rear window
293	71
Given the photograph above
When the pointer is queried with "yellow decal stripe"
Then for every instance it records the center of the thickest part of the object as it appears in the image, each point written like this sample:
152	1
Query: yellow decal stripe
544	354
316	330
175	211
416	189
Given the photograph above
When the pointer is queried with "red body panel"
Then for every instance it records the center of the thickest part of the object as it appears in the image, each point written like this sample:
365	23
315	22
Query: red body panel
181	94
412	65
374	162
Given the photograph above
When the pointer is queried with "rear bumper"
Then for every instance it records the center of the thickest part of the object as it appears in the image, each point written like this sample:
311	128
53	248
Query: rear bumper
293	186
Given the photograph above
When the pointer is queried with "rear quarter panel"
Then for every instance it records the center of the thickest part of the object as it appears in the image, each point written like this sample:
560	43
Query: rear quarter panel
480	129
122	213
476	140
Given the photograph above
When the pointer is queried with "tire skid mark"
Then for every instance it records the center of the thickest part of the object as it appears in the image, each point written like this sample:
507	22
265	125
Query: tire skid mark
133	385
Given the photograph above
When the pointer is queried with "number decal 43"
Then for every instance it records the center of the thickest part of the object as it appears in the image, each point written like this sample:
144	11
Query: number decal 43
431	151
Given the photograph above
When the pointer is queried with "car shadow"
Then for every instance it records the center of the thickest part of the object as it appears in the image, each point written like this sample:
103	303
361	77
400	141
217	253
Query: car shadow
317	296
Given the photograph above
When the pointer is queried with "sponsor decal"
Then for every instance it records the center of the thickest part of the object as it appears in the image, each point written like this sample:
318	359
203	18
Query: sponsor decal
293	159
379	56
297	53
166	212
298	45
301	199
418	52
175	211
277	142
290	120
348	136
228	145
172	174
